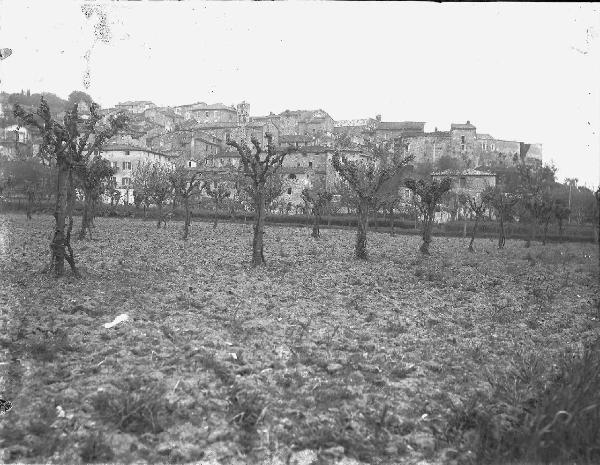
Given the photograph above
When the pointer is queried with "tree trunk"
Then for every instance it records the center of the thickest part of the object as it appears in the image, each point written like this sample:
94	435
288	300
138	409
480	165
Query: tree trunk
531	237
427	222
61	240
316	232
160	215
502	235
392	231
545	231
216	217
560	230
30	199
187	220
375	225
86	216
465	228
258	257
471	249
361	233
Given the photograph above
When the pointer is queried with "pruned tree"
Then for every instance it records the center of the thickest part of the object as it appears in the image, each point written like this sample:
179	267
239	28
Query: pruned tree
547	214
93	178
503	203
535	184
477	205
141	191
367	179
429	195
186	183
218	191
160	189
71	143
317	201
561	213
259	166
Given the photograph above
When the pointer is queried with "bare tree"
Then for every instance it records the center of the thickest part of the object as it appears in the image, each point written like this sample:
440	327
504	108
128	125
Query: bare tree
259	167
503	203
185	183
477	205
367	179
92	177
316	200
429	194
70	144
218	192
160	189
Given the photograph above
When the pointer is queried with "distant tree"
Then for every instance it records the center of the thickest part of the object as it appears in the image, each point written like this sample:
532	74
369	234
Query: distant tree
93	178
78	96
317	201
477	205
71	143
259	167
535	185
218	192
141	191
160	189
29	178
561	213
447	162
503	203
429	195
367	179
185	183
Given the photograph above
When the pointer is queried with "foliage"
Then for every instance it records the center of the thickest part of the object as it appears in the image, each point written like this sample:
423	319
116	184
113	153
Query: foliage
537	414
368	179
317	200
429	194
70	144
260	168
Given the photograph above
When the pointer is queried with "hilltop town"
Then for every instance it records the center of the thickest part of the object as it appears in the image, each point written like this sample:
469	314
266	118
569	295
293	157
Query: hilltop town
196	135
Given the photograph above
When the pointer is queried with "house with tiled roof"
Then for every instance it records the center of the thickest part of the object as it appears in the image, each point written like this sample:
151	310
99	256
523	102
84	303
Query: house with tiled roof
470	181
124	158
137	107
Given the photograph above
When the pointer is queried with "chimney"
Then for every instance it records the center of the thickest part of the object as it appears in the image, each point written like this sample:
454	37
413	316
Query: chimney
378	118
435	130
468	122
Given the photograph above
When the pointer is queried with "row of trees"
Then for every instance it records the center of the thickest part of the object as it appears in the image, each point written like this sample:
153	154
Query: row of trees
74	145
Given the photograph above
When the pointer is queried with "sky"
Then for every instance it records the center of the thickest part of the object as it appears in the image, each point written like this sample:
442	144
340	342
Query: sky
525	72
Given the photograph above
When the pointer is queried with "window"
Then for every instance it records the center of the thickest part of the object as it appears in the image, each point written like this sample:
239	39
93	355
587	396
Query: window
126	152
114	164
126	165
463	182
113	180
492	147
462	139
289	190
298	166
292	176
189	164
462	147
207	114
125	181
310	164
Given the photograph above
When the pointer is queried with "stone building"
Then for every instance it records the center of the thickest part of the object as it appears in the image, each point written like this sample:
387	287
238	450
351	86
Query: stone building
208	113
125	158
136	107
311	122
463	143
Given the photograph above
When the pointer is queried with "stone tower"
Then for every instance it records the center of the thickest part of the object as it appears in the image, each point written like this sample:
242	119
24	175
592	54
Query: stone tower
243	112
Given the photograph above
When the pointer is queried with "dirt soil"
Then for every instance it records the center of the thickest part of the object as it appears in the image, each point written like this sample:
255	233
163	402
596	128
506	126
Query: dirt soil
314	358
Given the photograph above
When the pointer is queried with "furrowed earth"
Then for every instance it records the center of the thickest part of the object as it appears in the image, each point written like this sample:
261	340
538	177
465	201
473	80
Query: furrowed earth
314	358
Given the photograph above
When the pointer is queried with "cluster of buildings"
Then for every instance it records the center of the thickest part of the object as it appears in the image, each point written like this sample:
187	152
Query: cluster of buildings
197	135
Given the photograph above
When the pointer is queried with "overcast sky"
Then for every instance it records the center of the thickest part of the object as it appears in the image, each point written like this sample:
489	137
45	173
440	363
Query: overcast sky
524	72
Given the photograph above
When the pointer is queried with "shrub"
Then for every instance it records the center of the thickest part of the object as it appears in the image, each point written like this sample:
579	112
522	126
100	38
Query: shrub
536	414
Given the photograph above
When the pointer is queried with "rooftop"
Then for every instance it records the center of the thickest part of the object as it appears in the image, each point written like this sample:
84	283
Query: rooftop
119	147
467	172
468	125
